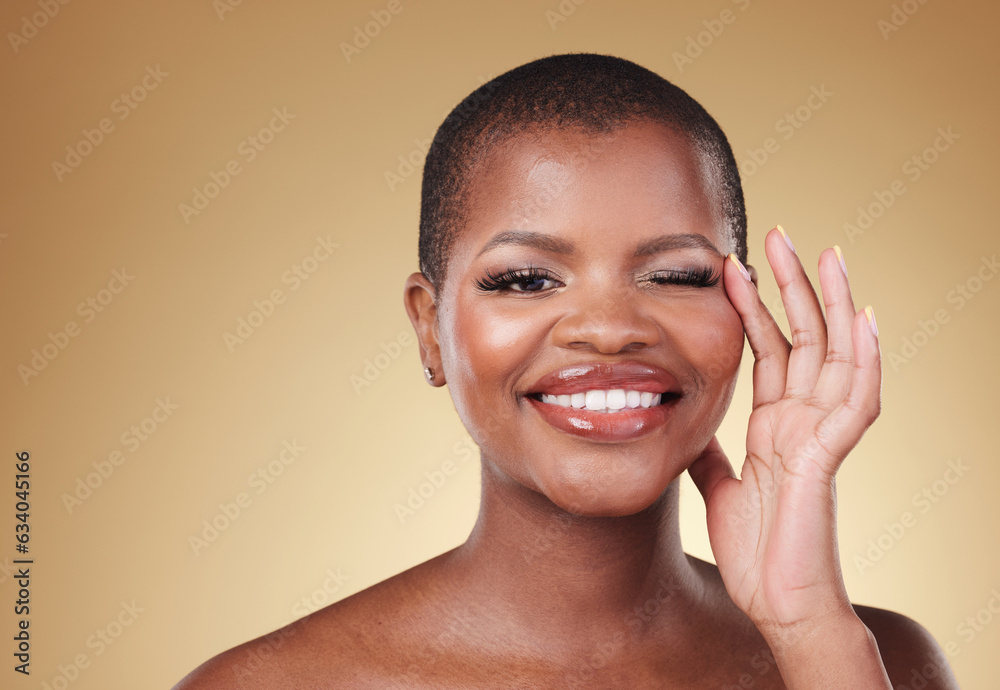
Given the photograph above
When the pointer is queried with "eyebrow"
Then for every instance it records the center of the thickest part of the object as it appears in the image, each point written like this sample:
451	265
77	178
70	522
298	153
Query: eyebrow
662	243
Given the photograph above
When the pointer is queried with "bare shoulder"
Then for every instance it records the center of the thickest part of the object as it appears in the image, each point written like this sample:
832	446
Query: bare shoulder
280	659
911	655
368	639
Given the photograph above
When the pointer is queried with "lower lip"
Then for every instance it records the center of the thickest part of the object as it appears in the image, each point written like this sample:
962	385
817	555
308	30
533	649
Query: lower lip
623	425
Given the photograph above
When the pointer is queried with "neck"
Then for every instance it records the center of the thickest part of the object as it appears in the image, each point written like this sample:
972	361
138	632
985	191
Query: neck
558	572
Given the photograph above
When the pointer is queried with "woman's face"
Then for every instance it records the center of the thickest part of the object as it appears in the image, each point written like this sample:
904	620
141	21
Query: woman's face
589	270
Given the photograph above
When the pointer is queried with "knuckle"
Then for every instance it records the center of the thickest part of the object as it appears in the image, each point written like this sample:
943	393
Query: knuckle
807	338
839	357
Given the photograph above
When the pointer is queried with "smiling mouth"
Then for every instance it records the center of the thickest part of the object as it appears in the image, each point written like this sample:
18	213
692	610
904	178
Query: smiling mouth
609	401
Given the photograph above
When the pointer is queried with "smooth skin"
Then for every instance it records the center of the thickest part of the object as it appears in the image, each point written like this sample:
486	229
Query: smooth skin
574	574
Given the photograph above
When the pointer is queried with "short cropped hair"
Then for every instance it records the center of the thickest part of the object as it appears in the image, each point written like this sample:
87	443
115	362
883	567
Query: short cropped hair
595	94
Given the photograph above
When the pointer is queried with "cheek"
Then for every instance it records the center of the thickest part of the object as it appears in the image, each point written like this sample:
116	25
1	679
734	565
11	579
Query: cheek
712	349
483	354
715	347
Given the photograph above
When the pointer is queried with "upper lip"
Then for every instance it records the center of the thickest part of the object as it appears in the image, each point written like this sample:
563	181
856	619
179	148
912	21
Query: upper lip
578	378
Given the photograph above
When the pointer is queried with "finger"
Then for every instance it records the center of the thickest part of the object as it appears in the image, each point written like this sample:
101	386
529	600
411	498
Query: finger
710	469
841	430
769	345
835	378
805	320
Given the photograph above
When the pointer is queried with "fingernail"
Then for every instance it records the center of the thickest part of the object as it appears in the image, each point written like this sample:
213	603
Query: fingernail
870	318
840	256
784	236
739	265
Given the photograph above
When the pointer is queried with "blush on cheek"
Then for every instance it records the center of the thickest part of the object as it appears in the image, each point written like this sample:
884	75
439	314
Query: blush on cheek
720	347
477	355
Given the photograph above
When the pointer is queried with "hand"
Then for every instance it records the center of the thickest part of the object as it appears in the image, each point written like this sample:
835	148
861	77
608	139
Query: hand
773	530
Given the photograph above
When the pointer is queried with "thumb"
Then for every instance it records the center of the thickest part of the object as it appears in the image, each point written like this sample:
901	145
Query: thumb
710	469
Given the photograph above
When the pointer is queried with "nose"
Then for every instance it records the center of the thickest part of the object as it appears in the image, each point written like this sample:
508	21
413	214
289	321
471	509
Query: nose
608	323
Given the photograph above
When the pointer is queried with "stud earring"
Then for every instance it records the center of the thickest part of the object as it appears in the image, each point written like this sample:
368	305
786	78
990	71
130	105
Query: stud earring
429	373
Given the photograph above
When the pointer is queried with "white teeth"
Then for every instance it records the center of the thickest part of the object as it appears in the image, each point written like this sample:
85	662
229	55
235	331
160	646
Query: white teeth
616	399
598	400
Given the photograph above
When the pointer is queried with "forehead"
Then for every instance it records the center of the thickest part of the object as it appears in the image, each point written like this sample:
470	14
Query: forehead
643	177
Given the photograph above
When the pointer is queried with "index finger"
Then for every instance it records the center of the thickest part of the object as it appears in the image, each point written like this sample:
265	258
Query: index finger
769	346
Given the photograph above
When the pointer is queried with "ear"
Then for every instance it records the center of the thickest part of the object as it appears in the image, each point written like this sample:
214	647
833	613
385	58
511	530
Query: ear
418	298
753	275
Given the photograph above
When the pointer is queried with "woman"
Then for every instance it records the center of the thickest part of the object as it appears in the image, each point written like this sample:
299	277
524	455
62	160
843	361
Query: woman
583	294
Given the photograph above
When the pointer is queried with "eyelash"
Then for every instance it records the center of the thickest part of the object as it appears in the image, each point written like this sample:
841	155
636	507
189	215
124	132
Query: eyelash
702	277
512	276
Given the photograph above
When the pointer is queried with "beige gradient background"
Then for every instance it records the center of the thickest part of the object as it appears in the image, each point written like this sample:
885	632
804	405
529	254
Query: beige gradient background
323	175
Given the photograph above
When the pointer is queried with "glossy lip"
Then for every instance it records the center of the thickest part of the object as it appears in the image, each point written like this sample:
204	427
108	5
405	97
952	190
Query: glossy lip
623	425
579	378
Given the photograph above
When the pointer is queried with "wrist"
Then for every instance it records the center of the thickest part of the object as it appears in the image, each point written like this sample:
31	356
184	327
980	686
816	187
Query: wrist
834	651
842	622
808	632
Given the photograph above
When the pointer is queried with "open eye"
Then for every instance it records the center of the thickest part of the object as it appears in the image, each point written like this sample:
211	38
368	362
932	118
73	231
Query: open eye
526	280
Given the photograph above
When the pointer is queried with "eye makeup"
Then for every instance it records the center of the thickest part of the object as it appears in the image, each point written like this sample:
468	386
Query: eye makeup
533	280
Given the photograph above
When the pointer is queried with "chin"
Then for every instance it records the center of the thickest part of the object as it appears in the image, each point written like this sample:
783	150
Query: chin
612	492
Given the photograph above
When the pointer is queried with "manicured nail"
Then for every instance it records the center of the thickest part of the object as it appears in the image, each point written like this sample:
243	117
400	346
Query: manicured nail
840	256
784	236
870	318
743	271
